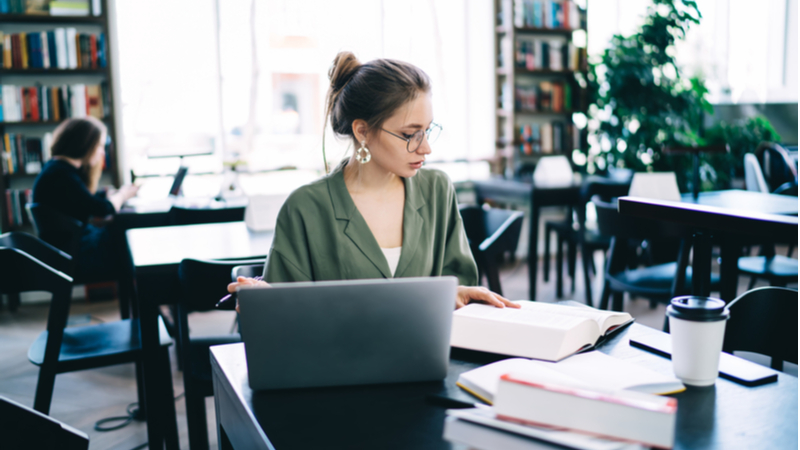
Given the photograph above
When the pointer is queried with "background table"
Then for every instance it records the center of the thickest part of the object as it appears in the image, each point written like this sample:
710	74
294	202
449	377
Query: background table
404	416
157	252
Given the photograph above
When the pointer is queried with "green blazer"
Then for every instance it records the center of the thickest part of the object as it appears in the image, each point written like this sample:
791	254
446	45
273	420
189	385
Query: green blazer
320	235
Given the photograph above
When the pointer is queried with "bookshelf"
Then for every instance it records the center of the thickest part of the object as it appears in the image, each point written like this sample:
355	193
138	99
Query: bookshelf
55	83
540	79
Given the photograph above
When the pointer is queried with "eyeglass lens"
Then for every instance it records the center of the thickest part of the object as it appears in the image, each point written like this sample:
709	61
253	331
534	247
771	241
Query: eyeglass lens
416	139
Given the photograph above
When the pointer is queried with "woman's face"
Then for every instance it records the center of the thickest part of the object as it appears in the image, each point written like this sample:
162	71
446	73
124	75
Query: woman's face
390	152
99	154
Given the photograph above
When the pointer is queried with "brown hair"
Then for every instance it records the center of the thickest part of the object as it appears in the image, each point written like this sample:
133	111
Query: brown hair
78	138
371	92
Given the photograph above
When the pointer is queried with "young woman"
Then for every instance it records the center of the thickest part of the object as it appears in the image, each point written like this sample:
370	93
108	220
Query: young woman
379	213
68	184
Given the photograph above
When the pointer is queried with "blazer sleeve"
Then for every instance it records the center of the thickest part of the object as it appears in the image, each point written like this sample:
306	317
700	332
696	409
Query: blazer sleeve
289	259
458	260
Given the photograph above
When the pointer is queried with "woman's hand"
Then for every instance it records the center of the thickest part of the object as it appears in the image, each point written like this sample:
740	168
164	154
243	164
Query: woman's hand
244	281
468	294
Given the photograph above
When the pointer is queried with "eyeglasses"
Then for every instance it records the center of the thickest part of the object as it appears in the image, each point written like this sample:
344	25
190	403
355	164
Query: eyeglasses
413	141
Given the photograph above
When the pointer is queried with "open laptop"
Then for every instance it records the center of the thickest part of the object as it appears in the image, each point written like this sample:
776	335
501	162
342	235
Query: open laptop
338	333
141	204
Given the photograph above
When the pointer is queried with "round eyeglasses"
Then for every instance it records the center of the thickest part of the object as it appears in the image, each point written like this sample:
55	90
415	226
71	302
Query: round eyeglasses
413	141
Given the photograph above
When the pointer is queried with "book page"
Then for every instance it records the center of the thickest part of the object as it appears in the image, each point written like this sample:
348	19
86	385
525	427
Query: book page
604	319
526	316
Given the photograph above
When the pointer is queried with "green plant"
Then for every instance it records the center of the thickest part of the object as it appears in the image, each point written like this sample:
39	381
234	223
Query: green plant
743	136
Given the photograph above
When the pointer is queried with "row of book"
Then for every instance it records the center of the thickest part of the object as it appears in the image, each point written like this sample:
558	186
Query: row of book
52	7
61	48
539	54
24	154
54	103
547	137
559	14
16	199
545	96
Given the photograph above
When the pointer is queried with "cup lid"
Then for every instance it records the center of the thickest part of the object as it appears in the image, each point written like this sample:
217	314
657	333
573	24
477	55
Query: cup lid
697	309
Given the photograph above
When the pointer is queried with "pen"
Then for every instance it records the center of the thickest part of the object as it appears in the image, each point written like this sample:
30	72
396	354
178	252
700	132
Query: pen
228	303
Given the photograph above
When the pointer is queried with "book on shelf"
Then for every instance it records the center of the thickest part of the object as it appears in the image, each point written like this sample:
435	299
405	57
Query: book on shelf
24	154
617	414
480	428
54	103
69	8
590	370
62	48
536	330
16	199
544	96
548	54
551	14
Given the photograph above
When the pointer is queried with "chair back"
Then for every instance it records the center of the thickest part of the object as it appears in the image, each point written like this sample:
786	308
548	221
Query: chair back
776	165
192	216
764	320
491	232
55	228
249	271
611	223
753	177
38	249
23	427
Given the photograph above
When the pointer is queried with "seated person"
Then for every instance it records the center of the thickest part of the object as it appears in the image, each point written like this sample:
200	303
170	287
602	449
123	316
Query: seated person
68	184
379	214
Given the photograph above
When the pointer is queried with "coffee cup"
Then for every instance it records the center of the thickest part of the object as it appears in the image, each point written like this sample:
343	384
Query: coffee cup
697	327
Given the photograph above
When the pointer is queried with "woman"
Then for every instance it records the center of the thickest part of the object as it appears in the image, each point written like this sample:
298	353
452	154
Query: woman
379	213
68	184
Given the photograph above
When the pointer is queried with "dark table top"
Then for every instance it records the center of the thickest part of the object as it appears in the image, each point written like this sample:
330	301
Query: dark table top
403	416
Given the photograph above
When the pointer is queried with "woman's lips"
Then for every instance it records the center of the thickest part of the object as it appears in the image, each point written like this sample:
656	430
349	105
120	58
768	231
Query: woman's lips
417	165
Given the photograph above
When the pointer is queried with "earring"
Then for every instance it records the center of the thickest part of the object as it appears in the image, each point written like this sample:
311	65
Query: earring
362	154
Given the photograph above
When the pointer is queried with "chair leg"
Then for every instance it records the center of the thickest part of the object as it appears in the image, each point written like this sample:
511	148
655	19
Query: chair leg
171	433
752	283
196	418
605	295
586	257
560	267
618	300
572	256
493	277
546	270
44	390
141	412
665	328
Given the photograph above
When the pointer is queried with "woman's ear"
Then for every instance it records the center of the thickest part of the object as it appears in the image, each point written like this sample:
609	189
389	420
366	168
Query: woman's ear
360	129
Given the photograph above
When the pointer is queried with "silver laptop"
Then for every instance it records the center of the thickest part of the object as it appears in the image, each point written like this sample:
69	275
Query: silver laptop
339	333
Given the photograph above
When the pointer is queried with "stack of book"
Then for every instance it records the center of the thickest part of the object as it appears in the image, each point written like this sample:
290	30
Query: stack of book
23	154
558	14
546	96
53	103
539	54
61	48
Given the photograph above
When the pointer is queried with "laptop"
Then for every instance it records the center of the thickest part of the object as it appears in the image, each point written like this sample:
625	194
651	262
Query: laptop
141	204
341	333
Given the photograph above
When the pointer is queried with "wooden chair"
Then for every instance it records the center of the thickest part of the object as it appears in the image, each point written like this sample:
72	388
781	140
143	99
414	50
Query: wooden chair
203	283
64	232
192	216
491	233
764	320
60	349
24	428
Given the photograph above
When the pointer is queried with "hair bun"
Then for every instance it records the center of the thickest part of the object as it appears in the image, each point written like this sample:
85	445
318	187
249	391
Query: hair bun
345	65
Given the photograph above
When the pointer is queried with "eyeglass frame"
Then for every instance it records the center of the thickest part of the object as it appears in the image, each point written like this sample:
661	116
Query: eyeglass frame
408	140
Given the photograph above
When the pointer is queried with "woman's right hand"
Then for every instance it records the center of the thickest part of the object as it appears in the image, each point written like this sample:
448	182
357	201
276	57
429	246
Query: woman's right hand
244	281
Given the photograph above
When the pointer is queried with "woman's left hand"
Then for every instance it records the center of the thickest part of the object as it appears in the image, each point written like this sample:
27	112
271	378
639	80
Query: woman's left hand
468	294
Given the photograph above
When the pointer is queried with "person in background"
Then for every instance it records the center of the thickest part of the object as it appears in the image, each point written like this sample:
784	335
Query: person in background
379	214
68	183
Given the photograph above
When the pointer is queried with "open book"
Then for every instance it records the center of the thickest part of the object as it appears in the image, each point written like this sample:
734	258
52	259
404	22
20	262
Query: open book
588	370
537	330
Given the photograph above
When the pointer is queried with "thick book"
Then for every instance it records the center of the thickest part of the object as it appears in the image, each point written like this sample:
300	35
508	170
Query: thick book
480	428
617	414
591	369
536	330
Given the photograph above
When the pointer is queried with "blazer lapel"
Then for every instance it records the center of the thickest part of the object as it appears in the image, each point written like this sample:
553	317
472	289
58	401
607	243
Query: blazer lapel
412	225
356	228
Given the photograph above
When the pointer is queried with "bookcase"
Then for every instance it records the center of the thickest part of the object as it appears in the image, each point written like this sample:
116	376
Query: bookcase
53	67
540	70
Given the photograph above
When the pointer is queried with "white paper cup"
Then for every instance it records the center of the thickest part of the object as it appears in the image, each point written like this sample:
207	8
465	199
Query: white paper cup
697	327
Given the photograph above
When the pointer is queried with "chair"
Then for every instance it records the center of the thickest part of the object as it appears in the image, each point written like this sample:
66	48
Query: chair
780	172
753	177
60	349
659	282
491	233
24	428
64	232
192	216
764	321
203	283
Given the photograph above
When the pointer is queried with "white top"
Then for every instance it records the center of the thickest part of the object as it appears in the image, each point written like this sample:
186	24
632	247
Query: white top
392	257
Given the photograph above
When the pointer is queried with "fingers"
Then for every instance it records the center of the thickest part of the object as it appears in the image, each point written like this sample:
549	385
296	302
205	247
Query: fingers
481	294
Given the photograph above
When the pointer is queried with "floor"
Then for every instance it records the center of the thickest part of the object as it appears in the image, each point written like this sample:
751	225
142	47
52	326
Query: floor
82	398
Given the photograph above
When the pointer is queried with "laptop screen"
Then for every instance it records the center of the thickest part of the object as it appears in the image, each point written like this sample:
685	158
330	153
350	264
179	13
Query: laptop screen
176	184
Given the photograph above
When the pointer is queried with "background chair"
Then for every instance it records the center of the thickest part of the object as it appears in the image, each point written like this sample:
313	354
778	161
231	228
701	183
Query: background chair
491	233
60	349
192	216
780	171
64	232
203	283
753	177
657	282
764	321
25	428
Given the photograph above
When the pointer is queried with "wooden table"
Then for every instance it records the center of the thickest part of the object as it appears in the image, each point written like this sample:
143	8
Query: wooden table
732	218
157	253
405	416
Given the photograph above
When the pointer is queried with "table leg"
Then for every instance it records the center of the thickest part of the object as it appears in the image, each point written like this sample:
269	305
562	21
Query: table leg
148	323
533	249
701	264
729	270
